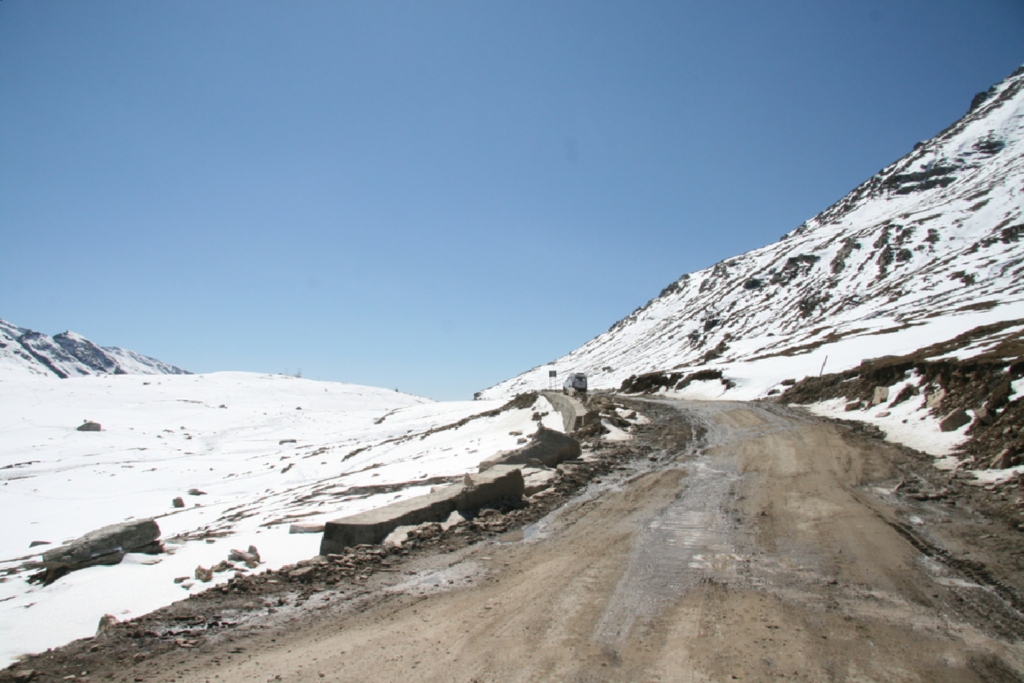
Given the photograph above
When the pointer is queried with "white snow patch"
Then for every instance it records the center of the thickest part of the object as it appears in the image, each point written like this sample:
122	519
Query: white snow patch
269	448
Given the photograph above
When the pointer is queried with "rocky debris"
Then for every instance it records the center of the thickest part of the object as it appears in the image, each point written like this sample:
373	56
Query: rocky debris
373	526
953	389
178	502
305	528
934	398
546	446
955	420
250	557
881	395
1002	461
106	622
33	544
104	546
203	574
196	492
652	382
400	535
88	426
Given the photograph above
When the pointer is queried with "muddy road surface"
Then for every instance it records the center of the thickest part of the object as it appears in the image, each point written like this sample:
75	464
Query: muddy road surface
745	542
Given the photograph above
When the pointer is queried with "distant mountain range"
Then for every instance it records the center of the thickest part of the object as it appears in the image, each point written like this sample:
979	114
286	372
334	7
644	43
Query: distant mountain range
928	248
26	353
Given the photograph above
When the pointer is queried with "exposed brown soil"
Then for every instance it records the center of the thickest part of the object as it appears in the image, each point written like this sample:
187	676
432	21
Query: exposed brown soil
980	384
724	542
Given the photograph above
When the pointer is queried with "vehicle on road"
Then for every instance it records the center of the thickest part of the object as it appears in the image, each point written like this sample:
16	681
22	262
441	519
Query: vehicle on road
575	383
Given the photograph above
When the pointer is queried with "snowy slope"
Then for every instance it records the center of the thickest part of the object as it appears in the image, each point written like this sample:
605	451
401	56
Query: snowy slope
27	353
265	450
926	249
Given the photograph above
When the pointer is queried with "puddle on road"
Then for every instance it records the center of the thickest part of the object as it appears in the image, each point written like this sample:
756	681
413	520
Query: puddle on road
518	535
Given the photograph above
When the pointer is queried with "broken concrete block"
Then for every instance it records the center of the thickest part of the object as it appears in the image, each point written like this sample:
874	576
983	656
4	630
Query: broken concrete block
538	480
453	519
373	526
547	446
399	536
955	420
574	414
881	395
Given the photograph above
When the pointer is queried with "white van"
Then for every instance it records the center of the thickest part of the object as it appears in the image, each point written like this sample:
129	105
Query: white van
575	383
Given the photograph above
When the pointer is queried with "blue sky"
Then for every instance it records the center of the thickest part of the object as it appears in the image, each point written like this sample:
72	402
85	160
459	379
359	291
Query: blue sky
436	196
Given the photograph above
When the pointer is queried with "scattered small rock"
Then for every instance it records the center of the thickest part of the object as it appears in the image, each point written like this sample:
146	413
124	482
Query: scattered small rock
106	622
88	426
203	574
196	492
178	502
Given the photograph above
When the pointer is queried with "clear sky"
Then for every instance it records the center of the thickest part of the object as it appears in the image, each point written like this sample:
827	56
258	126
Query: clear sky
436	196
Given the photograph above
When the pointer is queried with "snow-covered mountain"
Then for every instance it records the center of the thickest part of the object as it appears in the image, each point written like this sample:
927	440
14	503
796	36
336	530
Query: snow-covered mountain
926	249
26	353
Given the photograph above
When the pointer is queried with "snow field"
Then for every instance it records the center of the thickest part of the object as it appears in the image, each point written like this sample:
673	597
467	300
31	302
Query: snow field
282	450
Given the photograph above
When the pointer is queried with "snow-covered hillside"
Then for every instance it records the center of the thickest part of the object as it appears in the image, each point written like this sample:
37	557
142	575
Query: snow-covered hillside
926	249
257	452
27	353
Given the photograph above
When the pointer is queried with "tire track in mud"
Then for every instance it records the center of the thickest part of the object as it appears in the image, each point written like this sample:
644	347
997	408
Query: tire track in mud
694	539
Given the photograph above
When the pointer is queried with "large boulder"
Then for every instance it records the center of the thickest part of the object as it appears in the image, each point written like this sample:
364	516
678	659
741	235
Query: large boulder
547	447
102	546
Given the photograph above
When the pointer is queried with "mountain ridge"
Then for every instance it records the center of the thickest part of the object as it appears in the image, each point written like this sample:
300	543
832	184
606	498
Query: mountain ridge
933	237
25	352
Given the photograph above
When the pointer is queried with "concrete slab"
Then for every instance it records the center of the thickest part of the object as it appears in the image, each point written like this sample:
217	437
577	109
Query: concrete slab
574	413
536	480
547	447
373	526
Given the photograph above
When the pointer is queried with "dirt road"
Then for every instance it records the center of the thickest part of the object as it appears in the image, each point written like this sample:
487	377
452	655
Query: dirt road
771	547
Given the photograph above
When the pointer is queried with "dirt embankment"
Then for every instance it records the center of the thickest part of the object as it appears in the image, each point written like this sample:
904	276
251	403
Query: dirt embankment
725	542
